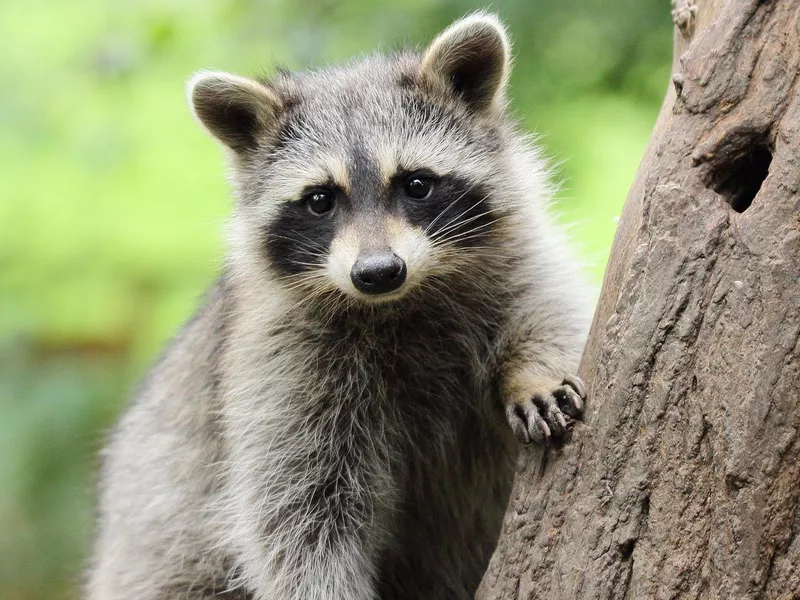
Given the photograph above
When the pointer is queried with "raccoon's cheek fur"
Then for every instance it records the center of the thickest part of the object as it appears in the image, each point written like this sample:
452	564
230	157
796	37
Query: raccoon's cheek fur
382	262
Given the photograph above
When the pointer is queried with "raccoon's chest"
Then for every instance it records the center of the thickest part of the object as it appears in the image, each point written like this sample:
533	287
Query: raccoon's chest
433	380
427	369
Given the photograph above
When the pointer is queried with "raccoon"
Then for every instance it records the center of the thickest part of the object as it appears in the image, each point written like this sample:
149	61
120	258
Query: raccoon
397	310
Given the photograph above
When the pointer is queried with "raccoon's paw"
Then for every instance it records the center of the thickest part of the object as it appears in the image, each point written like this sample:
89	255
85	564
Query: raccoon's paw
546	414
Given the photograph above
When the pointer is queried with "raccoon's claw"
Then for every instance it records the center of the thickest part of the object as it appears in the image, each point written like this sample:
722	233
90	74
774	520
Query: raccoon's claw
527	424
571	396
546	416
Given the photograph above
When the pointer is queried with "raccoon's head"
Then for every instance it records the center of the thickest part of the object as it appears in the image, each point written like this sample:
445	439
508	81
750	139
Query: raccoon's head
371	179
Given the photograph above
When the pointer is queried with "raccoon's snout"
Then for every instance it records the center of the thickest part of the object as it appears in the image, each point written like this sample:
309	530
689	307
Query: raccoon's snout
378	273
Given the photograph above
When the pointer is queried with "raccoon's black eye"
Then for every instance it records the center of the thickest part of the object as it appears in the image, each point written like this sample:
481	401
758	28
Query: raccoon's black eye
320	201
419	187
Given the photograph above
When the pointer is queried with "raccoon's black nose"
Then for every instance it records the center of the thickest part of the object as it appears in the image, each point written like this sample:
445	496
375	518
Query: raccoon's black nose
379	273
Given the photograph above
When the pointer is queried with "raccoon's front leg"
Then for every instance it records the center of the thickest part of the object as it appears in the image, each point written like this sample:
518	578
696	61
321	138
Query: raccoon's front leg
301	562
323	549
312	508
540	409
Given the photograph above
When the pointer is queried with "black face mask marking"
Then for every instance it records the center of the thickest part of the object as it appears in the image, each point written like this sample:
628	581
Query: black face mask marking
297	240
456	211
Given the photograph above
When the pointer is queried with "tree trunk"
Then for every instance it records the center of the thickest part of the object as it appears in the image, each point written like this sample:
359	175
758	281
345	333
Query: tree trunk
684	481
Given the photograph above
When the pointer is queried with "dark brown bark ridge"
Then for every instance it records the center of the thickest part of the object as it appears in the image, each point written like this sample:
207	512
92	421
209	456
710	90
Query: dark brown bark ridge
684	481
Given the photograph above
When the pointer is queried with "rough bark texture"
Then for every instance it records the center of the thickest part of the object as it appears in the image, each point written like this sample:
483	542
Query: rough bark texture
684	481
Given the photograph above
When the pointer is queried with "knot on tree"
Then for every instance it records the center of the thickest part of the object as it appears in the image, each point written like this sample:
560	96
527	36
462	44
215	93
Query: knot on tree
684	13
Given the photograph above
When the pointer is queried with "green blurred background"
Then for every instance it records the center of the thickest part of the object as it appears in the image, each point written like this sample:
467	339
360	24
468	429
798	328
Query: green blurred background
112	199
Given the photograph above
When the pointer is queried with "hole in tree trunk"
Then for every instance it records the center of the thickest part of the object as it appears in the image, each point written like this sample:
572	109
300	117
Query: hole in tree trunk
626	549
738	181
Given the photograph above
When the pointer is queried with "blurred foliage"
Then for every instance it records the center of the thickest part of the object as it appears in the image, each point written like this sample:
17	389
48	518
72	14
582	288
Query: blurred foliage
112	200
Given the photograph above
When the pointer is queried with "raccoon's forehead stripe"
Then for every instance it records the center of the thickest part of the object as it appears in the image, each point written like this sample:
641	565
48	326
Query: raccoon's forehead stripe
434	151
294	174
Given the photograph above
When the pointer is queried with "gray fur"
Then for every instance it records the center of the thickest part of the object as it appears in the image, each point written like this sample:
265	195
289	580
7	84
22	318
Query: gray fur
298	443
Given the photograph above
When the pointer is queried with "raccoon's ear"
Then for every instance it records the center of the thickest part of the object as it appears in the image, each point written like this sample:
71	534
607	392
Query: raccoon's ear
472	56
235	110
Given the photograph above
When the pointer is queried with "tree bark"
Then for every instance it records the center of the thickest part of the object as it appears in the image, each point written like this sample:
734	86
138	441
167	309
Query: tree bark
684	481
